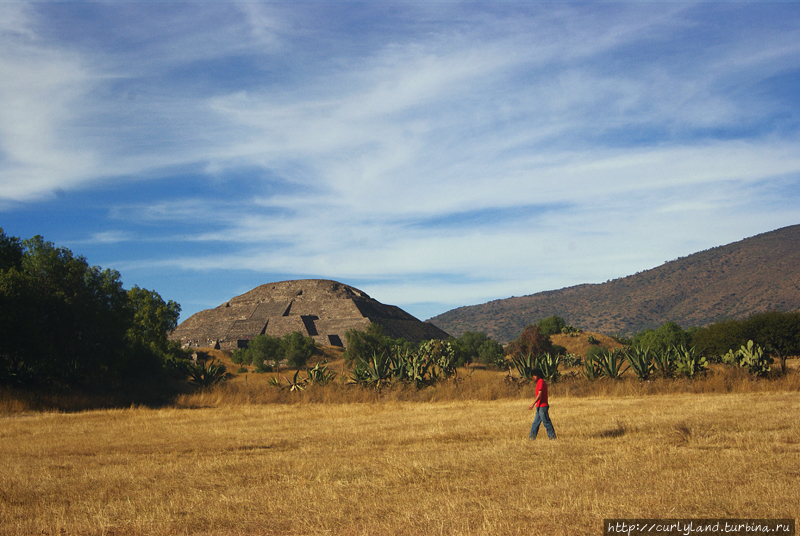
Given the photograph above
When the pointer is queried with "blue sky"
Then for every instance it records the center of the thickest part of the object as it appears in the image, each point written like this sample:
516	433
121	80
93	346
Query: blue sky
431	154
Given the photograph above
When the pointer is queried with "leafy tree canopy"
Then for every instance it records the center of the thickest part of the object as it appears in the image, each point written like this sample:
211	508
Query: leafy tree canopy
362	345
551	325
293	347
64	321
662	338
477	346
778	332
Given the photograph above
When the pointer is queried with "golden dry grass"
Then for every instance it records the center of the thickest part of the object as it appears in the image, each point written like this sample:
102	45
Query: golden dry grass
393	467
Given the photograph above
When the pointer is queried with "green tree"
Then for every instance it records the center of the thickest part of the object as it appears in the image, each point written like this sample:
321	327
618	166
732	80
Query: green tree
663	338
477	346
263	349
148	349
297	349
716	339
778	332
153	318
551	325
77	315
362	345
66	322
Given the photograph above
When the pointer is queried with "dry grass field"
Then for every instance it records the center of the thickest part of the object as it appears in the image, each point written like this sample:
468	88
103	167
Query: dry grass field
223	462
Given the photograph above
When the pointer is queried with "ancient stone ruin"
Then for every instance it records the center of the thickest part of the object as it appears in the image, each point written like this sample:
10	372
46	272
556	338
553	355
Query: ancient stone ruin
319	308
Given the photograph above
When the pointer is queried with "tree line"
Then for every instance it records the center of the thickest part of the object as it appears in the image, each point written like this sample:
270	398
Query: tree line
67	323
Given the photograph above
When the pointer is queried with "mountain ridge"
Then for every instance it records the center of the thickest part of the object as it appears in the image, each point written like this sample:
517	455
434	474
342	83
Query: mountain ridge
735	280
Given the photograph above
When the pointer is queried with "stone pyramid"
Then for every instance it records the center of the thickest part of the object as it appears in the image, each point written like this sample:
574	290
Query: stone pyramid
319	308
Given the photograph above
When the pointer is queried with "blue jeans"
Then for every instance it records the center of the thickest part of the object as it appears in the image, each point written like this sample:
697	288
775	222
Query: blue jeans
542	417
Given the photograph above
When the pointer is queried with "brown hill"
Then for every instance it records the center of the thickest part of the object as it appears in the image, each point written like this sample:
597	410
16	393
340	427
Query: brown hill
319	308
578	343
734	281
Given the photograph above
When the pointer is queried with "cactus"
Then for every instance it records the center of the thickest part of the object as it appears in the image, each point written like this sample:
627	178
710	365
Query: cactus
571	360
441	355
752	356
687	362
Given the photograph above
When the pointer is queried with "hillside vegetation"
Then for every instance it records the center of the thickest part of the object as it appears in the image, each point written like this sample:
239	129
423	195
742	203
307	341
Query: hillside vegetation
754	275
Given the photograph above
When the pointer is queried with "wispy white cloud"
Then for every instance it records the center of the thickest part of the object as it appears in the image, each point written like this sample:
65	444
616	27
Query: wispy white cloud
377	144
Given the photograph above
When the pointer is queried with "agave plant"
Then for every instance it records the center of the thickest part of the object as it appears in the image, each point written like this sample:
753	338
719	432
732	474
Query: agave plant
548	364
525	366
320	375
591	368
375	372
610	362
206	375
687	362
296	383
640	361
664	362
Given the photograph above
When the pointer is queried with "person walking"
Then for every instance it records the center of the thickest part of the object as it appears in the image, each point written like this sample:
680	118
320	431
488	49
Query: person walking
542	407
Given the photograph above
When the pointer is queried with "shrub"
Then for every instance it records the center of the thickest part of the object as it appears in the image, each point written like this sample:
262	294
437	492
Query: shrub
594	351
477	346
362	345
491	353
531	341
241	356
572	331
551	325
663	338
297	349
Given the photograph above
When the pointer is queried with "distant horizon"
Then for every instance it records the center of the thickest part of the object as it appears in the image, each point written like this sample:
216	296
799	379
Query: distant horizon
505	297
433	154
